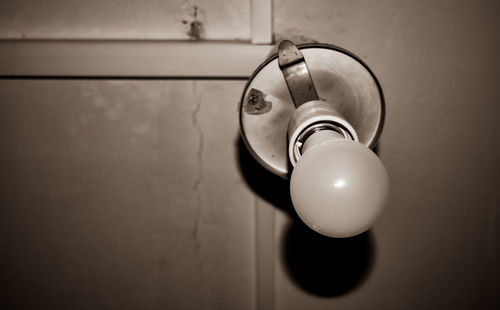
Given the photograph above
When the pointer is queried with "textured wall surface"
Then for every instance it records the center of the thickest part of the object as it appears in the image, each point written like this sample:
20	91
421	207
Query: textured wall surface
125	19
438	243
123	195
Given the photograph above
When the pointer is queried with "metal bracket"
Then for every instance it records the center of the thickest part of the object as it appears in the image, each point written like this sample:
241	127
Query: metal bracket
269	99
296	73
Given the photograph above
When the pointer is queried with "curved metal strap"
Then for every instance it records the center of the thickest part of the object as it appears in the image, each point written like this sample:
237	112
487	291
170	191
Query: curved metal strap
296	73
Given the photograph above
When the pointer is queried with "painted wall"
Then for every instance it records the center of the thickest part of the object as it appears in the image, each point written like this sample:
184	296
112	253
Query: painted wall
139	194
123	195
125	19
437	245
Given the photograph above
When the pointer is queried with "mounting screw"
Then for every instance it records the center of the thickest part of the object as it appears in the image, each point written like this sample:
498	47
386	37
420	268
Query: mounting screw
253	99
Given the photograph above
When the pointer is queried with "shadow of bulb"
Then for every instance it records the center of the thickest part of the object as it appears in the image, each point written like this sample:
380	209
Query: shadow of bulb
339	187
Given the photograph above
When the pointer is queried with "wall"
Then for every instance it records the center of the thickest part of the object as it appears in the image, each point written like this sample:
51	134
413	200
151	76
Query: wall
437	244
139	193
125	19
123	194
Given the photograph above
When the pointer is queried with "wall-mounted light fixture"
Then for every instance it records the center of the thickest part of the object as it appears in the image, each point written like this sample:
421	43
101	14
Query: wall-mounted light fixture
313	113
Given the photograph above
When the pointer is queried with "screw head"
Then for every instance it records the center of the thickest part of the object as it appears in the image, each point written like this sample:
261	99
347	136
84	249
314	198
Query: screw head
253	99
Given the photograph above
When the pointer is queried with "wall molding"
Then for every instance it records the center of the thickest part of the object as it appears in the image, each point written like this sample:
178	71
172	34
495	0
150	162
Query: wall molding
130	59
141	59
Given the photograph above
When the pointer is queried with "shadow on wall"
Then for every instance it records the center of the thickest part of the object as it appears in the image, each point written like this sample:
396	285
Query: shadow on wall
325	266
320	265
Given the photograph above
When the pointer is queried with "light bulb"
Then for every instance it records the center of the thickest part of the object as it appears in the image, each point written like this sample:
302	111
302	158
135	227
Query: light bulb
338	187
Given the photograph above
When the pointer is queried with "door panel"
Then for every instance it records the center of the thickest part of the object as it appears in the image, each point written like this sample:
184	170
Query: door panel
124	194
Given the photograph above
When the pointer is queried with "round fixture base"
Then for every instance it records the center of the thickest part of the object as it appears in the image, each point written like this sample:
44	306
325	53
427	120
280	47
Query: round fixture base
341	80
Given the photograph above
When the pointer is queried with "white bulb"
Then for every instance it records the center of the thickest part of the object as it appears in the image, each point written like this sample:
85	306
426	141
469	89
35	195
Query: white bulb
338	187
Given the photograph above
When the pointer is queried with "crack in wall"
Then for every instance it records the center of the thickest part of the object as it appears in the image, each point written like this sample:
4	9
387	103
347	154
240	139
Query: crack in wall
196	187
199	154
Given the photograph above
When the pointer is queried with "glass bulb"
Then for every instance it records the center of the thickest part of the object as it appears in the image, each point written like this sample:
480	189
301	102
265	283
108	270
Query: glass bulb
338	187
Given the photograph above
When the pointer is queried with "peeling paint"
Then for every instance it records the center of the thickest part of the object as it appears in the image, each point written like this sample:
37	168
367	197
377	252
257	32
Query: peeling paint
192	21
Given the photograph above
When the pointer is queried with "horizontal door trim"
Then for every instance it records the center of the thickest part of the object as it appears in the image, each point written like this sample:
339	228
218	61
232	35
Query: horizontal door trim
130	59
